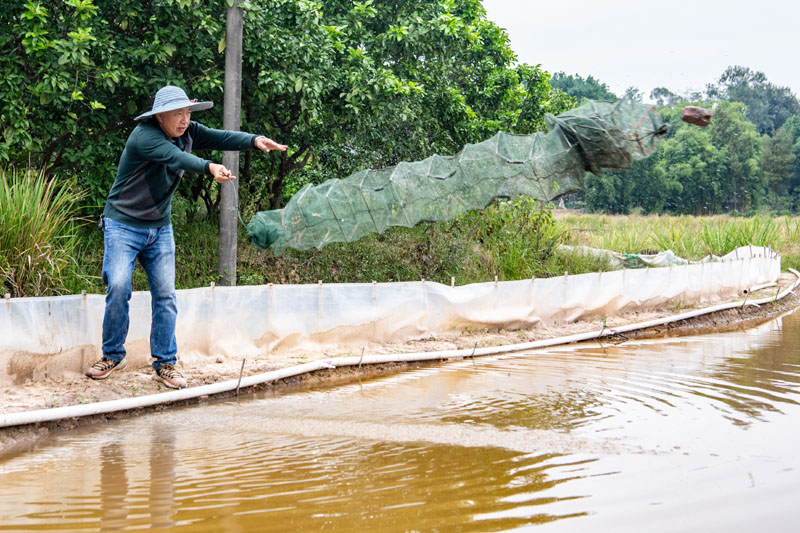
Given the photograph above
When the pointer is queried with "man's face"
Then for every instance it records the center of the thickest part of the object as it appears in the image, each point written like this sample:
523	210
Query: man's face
174	122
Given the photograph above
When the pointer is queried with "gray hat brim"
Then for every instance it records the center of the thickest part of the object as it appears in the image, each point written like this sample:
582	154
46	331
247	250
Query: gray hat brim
196	106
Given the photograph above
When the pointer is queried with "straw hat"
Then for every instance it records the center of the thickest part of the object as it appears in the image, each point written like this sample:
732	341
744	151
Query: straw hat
171	97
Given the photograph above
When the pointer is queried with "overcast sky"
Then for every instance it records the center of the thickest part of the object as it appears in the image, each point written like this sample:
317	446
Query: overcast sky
680	44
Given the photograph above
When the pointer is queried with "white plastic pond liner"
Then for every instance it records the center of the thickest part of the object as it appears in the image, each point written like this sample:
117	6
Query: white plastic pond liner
63	334
616	260
124	404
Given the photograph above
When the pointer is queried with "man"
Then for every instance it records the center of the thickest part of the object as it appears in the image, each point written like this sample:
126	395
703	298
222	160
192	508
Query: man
136	222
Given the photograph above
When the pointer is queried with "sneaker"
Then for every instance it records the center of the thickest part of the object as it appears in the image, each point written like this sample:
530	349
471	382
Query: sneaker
170	377
104	367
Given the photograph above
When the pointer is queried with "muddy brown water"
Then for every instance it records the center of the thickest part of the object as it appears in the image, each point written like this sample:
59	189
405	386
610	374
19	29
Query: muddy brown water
688	434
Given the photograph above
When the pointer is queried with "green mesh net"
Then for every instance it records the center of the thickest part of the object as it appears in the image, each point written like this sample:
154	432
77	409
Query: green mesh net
594	137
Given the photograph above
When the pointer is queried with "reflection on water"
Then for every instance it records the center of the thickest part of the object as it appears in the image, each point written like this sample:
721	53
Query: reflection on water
113	487
691	434
162	474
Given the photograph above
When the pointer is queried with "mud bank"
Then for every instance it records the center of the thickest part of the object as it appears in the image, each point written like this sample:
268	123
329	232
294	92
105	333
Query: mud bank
137	380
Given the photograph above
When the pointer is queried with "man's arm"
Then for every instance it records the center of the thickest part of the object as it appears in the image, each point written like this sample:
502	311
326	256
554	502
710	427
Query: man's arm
205	138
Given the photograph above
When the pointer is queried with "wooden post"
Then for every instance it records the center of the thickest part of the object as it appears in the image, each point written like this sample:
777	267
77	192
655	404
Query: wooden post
228	228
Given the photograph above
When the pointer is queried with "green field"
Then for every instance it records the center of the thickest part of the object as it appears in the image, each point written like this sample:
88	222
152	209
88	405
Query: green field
688	236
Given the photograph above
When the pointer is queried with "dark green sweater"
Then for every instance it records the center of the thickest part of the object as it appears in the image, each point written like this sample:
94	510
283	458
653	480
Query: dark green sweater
152	165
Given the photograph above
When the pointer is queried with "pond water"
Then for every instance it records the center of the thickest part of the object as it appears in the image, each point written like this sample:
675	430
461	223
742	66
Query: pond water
687	434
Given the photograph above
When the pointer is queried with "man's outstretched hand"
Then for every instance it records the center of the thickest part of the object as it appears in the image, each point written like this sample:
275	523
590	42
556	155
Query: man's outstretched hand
220	173
266	144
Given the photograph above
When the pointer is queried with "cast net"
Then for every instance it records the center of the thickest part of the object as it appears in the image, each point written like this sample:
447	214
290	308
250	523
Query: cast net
594	137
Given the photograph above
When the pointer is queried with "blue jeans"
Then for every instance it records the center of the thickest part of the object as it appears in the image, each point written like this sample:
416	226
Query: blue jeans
155	249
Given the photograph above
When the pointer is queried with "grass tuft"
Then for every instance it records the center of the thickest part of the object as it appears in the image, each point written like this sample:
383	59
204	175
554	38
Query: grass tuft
37	217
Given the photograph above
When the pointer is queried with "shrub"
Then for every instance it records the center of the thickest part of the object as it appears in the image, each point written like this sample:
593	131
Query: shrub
37	218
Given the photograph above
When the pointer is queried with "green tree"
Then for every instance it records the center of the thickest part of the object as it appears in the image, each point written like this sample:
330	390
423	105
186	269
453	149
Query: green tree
768	106
385	82
696	170
346	84
634	94
608	193
77	72
653	191
792	128
644	186
588	88
777	161
534	97
740	145
693	171
664	97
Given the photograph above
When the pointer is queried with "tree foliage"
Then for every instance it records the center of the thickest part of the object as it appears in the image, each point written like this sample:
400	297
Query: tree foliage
777	161
694	171
390	82
664	97
768	106
747	155
77	72
581	88
692	161
346	84
738	138
792	129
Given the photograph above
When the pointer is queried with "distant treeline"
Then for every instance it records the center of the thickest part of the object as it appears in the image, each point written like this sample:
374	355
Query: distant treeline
746	161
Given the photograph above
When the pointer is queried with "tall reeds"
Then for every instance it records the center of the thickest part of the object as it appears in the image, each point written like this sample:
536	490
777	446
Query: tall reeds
36	233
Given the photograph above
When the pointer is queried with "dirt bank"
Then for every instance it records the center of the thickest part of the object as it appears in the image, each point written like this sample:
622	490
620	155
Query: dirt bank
138	381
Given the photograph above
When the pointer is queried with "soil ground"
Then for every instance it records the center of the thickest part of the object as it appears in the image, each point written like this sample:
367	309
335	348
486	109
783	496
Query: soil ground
131	382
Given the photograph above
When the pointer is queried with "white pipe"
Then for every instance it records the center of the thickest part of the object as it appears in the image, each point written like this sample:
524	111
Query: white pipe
759	287
73	411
